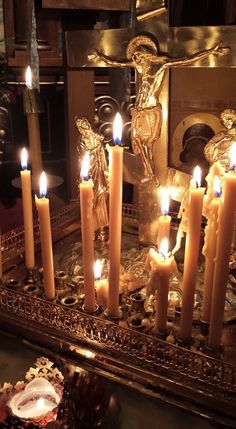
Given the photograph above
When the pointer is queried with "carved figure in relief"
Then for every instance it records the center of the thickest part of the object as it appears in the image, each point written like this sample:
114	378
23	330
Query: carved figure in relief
218	147
93	142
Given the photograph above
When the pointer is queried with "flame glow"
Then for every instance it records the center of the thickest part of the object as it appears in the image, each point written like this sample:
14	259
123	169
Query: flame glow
165	202
97	269
217	186
43	185
233	156
117	129
24	158
40	403
197	175
28	78
164	247
84	172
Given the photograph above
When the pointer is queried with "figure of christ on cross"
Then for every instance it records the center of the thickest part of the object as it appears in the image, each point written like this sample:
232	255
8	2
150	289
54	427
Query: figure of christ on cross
151	65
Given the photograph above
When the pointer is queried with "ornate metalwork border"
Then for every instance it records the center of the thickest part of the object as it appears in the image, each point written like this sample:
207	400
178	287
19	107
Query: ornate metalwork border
212	375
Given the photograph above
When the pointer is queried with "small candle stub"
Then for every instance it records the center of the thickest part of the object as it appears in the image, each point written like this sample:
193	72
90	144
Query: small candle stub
37	399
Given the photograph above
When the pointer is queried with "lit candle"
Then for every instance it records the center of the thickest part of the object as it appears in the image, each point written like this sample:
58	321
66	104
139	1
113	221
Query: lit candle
209	249
37	399
101	285
224	239
87	227
115	216
27	211
42	205
164	220
162	266
32	110
196	194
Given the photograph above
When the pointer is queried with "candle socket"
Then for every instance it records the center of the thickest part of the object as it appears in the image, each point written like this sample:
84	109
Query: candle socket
60	280
114	318
32	275
161	335
32	289
215	352
32	101
70	301
136	321
137	302
204	326
95	311
12	284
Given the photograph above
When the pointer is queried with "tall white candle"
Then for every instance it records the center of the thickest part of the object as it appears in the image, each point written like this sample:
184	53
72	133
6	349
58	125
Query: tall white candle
27	211
225	234
209	249
115	216
42	205
87	227
196	194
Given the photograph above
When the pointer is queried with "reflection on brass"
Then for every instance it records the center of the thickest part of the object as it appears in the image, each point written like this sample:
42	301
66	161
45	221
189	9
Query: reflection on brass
142	53
151	13
93	142
217	149
148	212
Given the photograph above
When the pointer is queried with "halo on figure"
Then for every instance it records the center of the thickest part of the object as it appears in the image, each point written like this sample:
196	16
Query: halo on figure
139	41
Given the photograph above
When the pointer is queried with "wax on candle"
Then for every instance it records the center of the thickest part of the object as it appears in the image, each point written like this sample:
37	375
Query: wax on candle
196	194
209	248
224	239
164	220
42	205
33	130
161	266
87	228
27	211
101	285
115	216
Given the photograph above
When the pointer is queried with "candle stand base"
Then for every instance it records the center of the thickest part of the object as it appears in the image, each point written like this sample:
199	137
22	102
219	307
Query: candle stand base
126	347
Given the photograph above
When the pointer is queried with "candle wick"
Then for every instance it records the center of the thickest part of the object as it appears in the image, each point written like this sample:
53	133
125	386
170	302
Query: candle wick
117	142
85	178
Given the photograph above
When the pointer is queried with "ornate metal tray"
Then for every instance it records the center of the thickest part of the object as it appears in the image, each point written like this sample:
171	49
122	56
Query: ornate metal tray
185	377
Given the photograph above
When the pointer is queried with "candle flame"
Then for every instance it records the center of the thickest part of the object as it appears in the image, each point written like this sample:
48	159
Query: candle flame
233	156
117	129
84	172
97	269
40	403
217	186
197	175
164	247
28	78
165	202
24	158
43	185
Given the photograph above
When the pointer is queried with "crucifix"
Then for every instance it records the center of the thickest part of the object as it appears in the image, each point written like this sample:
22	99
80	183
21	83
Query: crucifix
192	46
